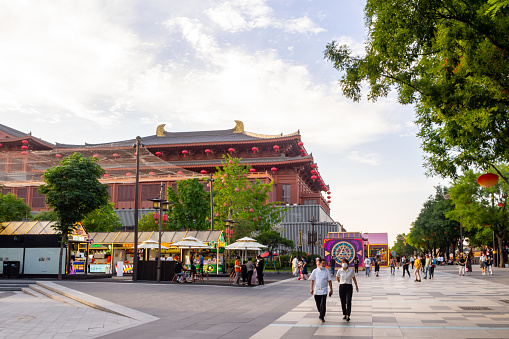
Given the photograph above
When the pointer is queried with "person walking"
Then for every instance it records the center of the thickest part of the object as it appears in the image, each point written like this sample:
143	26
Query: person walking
417	270
482	263
295	266
332	265
432	266
462	265
391	265
259	270
468	264
345	277
489	264
427	263
367	265
405	263
250	270
412	260
356	264
377	264
319	281
305	274
237	270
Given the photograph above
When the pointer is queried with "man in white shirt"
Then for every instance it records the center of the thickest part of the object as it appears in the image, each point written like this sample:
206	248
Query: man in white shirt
367	265
320	280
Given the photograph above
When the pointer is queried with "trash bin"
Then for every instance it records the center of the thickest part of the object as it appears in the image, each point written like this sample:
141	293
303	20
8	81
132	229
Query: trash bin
7	270
15	269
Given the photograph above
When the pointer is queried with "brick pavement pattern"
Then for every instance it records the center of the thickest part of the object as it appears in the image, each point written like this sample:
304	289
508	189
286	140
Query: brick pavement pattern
448	306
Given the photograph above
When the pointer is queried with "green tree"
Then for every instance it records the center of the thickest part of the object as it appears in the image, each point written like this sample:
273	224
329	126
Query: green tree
243	199
273	240
432	229
479	211
449	60
402	247
45	216
190	206
73	190
102	219
12	208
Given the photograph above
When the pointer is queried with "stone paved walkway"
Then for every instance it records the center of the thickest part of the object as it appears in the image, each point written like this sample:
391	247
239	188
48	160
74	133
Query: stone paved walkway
448	306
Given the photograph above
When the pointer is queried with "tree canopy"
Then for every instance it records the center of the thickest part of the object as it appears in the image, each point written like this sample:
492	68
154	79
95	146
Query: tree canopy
243	199
272	239
449	59
190	206
13	208
73	190
102	219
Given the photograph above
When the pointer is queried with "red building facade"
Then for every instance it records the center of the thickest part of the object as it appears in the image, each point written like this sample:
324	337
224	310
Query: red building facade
167	157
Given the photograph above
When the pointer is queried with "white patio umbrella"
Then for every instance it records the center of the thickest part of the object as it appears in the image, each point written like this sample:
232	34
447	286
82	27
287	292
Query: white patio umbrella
152	244
190	243
245	244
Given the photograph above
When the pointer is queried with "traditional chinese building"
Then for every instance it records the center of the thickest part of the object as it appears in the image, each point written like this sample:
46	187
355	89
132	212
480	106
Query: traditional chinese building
166	158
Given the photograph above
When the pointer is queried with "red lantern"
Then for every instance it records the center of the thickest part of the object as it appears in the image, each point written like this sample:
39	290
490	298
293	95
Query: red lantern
156	216
251	210
328	201
115	155
164	224
106	175
328	197
275	148
128	174
300	143
58	155
231	150
314	177
156	222
252	170
24	147
254	219
500	204
207	152
185	153
158	154
314	172
302	150
24	141
165	217
314	166
24	152
1	145
487	180
180	172
254	149
328	192
274	170
97	155
203	172
151	173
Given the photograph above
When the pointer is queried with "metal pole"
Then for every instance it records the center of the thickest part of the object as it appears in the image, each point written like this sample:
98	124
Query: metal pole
312	236
136	207
211	203
461	237
160	230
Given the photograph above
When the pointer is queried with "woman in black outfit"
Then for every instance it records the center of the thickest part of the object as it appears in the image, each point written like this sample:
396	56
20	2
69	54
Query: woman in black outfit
356	264
259	270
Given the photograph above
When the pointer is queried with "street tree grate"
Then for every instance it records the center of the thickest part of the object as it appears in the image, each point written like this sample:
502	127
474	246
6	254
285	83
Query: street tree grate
474	308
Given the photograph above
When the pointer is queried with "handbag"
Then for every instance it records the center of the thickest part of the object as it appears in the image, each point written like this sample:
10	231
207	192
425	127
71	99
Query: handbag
466	269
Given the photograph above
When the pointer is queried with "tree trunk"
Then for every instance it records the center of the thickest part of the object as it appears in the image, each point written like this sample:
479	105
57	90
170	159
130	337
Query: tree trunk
60	258
500	255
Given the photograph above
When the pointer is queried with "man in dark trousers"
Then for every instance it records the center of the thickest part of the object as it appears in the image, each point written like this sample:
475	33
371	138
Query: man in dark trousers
259	270
320	280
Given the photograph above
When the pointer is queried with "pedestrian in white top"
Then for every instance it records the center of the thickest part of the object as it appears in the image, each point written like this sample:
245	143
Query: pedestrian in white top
367	265
345	276
320	280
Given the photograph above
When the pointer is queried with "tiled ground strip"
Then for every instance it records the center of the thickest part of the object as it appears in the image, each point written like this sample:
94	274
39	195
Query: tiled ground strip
393	306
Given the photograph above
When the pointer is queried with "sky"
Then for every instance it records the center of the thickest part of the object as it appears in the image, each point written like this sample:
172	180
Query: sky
98	71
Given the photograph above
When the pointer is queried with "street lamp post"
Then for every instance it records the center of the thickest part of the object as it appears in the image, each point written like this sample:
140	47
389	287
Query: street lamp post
160	204
136	208
312	237
489	180
211	182
228	223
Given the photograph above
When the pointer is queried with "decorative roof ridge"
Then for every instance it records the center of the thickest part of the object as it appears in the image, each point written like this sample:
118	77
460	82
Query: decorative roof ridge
266	136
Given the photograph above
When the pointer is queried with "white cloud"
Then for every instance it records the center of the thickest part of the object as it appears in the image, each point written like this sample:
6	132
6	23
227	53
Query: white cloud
244	15
355	46
372	159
